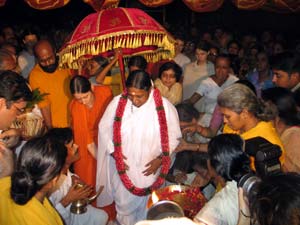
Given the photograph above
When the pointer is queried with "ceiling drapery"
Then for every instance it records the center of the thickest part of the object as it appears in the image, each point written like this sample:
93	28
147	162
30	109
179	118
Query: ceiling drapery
46	4
155	3
203	5
281	6
249	4
97	5
2	2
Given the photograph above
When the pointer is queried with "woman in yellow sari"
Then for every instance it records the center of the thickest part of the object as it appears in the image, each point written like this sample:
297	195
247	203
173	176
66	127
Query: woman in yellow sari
246	115
23	196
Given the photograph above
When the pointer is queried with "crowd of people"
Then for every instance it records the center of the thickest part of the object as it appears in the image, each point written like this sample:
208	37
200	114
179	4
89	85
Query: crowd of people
187	120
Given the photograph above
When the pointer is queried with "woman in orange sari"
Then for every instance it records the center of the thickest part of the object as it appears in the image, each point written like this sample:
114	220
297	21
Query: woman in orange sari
87	108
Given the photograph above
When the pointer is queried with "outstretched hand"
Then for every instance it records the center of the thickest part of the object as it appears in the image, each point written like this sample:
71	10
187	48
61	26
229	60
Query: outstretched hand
153	166
182	146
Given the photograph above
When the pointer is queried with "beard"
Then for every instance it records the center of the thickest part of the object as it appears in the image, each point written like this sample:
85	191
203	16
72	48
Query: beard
50	68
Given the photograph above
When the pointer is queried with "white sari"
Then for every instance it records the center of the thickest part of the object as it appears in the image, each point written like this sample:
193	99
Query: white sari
140	144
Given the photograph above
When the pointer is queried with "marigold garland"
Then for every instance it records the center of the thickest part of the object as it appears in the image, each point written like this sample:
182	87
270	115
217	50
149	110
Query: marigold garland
117	139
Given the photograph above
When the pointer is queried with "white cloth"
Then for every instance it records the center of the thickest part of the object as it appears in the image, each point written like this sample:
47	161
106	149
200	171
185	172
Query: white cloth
192	76
223	208
140	144
182	60
209	90
92	216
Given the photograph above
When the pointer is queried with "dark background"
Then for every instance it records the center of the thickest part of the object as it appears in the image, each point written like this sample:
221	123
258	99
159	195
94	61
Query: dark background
17	12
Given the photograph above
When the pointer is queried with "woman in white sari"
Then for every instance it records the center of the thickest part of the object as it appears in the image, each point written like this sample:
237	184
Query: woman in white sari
136	130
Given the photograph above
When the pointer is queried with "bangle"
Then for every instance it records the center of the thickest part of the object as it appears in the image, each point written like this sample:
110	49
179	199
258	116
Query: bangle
243	214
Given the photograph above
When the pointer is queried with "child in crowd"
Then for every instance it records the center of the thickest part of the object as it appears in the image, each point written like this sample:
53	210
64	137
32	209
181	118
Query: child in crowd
68	191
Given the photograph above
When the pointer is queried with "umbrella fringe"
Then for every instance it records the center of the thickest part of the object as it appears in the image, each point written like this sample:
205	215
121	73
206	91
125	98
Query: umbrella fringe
164	43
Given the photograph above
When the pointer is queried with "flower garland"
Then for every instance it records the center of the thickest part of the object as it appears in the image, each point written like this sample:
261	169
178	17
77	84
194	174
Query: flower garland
164	139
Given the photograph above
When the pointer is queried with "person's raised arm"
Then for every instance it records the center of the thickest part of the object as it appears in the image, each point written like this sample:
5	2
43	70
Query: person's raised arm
101	75
193	99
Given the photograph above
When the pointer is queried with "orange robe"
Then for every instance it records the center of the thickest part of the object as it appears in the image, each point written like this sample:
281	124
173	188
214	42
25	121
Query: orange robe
85	127
57	86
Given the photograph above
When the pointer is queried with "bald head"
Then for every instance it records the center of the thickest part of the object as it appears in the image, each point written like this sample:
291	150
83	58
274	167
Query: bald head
43	46
45	55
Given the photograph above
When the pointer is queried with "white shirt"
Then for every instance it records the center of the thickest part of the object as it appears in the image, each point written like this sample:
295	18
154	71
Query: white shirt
223	208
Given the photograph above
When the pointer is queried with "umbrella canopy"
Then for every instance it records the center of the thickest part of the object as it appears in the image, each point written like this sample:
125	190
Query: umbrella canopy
128	28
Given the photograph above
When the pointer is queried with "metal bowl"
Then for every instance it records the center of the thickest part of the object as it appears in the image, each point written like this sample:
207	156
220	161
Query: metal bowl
164	209
190	199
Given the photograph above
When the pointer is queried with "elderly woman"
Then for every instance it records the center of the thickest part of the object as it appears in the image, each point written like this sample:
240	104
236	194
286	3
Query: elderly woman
23	196
87	107
246	115
228	160
168	82
287	124
141	129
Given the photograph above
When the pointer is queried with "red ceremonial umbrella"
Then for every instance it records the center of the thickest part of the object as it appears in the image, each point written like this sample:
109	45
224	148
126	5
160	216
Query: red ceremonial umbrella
128	28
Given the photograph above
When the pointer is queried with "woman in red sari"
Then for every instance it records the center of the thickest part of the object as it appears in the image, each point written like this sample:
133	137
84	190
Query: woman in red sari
87	107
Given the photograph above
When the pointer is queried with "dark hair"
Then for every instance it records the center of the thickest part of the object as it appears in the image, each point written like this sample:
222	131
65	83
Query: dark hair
224	56
173	66
285	104
187	112
227	156
102	62
41	159
80	84
199	159
14	87
288	62
182	161
139	79
180	36
203	45
62	135
277	201
248	84
138	61
30	31
233	42
297	97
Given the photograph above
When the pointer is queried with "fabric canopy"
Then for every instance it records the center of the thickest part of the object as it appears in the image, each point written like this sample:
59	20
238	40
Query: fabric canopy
128	28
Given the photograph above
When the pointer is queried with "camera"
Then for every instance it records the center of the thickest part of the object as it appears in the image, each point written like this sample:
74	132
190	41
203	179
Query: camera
267	162
249	183
266	155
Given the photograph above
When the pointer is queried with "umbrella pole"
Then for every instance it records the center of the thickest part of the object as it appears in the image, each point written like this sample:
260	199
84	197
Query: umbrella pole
122	70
